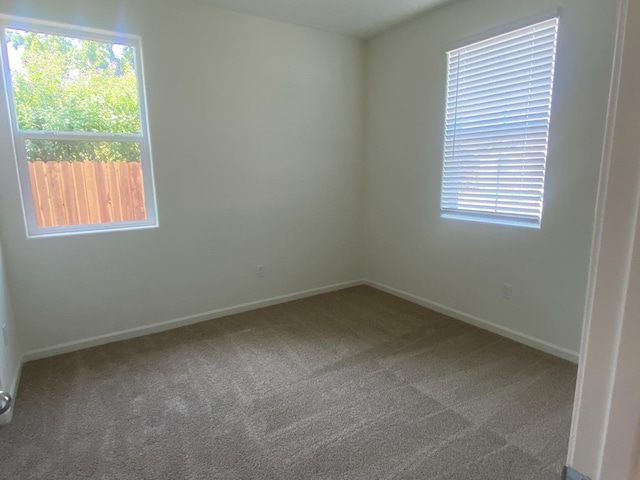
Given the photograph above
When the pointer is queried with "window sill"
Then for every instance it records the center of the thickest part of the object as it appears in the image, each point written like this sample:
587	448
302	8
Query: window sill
479	218
90	229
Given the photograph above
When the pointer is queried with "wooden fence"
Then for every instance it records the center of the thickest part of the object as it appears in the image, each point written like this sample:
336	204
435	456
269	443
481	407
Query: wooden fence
80	193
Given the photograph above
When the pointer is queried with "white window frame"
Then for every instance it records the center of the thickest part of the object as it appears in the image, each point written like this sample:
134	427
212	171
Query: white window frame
488	217
19	136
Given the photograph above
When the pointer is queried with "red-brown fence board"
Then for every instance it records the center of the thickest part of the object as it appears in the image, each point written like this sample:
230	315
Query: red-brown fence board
56	193
80	193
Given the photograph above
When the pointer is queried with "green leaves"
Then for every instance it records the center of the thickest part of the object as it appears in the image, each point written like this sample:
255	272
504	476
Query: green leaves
64	84
81	151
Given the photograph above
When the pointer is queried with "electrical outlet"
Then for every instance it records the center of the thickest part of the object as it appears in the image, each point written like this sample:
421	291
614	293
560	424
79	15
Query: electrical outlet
262	271
506	291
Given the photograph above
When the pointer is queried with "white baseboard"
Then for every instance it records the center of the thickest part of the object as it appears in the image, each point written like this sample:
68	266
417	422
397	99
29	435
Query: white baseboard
180	322
222	312
481	323
6	417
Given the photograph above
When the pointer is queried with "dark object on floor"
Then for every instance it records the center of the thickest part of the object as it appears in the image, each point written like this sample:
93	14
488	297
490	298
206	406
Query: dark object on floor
570	474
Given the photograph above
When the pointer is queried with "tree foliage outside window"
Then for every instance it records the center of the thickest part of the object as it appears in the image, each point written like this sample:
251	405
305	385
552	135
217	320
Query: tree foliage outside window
63	84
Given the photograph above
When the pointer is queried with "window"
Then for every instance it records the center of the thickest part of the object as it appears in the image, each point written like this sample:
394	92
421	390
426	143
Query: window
497	127
76	101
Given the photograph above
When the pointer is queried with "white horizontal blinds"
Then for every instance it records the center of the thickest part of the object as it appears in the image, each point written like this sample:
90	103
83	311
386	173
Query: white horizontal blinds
497	126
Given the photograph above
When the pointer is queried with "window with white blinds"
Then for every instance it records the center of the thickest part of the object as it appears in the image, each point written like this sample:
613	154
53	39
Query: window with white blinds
497	127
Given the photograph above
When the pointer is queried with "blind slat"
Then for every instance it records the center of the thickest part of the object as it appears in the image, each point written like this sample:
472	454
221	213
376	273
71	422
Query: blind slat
507	116
516	103
491	81
502	85
496	136
524	50
512	127
534	62
527	34
470	149
497	98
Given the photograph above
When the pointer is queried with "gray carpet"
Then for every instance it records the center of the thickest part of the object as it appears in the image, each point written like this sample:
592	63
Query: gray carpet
355	384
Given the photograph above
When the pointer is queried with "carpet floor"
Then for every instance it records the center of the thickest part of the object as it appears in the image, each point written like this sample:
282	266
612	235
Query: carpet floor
355	384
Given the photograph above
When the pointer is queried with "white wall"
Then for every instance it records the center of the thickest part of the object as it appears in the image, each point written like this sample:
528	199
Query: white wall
461	265
605	436
256	130
11	353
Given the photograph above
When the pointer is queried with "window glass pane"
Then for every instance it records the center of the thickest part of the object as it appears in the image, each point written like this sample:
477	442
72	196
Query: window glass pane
497	127
84	183
69	84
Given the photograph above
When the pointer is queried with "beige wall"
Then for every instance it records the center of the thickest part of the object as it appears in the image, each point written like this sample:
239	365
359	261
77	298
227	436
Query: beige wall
256	130
460	265
605	437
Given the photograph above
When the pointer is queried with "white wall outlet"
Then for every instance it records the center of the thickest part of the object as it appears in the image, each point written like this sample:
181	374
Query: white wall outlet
262	271
506	291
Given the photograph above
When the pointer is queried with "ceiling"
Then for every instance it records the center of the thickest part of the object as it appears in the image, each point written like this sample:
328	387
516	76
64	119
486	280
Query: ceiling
358	18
